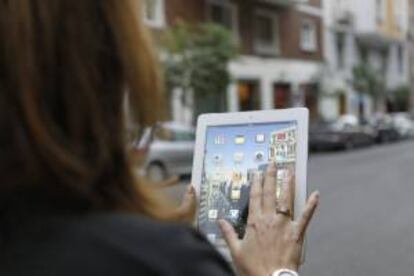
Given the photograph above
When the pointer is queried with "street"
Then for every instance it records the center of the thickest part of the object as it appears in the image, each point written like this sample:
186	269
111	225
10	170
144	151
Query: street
365	222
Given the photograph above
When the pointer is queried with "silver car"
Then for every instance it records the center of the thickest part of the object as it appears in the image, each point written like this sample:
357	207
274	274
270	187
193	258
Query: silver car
170	151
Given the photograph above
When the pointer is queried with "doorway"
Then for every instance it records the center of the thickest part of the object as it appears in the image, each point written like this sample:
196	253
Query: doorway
248	95
342	106
282	95
311	99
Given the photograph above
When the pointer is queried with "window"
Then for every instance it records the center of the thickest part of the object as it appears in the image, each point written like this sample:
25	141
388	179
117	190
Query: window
380	10
308	41
363	52
223	13
282	96
183	136
154	13
398	14
384	58
266	33
340	50
400	59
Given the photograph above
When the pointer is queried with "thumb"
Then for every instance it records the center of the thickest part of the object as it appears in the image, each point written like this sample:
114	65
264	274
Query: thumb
186	211
229	235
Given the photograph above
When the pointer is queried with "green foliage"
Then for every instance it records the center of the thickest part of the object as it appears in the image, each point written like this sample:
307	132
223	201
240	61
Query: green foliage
196	59
367	81
400	98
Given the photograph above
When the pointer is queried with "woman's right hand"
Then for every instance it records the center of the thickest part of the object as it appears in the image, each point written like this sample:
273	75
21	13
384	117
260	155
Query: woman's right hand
272	239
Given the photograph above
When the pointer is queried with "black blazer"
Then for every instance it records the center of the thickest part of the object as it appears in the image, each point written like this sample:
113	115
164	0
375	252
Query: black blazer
105	244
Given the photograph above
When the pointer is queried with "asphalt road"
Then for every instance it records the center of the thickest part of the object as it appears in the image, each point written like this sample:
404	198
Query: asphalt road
365	222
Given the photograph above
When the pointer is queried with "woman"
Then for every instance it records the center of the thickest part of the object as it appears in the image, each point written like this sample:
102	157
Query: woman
69	202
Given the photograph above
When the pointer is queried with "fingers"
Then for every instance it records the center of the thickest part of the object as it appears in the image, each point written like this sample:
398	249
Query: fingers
269	189
229	235
287	196
307	215
291	192
255	202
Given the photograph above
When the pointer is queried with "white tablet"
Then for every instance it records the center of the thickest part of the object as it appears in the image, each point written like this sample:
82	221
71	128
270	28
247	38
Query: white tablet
230	147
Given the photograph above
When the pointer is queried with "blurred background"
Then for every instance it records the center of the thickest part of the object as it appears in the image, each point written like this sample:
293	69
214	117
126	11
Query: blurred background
350	62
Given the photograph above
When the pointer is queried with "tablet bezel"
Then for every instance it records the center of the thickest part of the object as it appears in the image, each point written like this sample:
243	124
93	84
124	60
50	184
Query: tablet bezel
300	115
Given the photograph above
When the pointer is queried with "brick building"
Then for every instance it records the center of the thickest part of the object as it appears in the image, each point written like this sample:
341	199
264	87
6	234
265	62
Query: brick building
280	41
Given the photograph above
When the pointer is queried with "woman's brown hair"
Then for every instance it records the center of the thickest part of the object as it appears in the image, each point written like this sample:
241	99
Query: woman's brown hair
65	69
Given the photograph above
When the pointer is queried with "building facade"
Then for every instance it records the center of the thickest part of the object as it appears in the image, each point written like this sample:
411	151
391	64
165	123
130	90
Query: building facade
280	43
411	51
373	32
281	56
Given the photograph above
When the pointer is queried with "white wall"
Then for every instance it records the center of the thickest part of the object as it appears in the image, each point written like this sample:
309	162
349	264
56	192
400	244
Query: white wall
364	12
365	16
396	78
267	72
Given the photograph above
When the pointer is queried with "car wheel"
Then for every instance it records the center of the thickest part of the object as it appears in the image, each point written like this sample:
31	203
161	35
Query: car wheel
349	145
156	172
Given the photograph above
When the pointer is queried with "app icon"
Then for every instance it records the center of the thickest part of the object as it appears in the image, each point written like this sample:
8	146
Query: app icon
213	214
211	237
283	174
217	158
238	157
235	194
260	138
236	176
234	214
219	140
217	177
259	156
239	139
281	136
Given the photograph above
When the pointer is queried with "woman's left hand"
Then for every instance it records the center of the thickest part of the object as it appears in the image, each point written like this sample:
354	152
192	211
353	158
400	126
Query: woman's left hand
187	210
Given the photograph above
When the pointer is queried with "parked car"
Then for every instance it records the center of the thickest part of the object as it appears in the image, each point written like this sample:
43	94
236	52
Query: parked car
345	133
404	124
168	150
385	129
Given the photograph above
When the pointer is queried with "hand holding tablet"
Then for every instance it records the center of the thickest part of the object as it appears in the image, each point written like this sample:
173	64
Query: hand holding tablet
273	238
231	150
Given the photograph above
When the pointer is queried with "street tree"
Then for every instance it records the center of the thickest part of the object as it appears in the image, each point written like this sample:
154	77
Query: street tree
196	61
399	99
366	81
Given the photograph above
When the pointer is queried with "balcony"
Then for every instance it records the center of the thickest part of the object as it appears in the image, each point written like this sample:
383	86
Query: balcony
374	39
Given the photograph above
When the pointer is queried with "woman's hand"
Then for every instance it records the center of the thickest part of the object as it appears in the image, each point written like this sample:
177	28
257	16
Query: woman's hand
272	239
187	210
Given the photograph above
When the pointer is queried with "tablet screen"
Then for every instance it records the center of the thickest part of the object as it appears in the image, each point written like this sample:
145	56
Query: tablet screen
232	154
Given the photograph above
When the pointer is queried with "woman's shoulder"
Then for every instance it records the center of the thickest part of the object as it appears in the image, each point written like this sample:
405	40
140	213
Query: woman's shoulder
110	244
168	248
